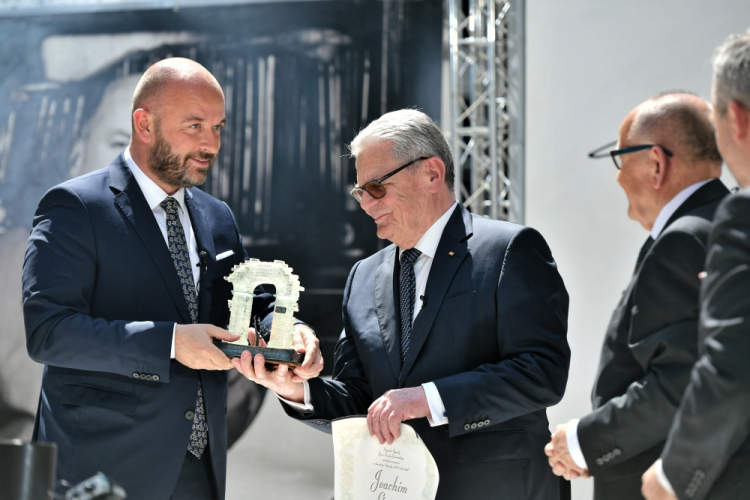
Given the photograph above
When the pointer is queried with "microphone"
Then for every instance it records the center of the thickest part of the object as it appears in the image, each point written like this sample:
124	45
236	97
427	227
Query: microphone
202	261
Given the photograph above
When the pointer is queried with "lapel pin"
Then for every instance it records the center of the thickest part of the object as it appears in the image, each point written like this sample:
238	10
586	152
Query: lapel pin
451	254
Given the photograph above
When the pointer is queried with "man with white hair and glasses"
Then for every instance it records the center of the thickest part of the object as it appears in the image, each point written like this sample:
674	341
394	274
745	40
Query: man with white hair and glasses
458	327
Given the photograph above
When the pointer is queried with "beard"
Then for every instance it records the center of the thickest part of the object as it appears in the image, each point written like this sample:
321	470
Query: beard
173	170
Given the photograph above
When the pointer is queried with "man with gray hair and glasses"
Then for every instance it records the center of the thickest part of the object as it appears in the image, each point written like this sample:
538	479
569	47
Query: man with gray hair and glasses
459	327
668	165
707	454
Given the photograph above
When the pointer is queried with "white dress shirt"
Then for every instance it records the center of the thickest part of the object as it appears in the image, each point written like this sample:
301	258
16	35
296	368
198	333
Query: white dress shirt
574	447
427	244
154	196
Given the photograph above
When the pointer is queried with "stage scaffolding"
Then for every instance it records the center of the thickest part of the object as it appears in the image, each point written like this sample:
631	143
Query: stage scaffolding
486	130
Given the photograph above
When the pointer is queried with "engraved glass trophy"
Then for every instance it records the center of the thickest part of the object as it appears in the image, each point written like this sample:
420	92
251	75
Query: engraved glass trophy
245	278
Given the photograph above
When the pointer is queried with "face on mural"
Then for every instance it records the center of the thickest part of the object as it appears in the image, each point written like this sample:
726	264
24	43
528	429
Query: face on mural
107	132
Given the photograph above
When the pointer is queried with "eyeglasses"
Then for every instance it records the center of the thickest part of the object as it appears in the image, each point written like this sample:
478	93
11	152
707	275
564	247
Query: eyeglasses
616	153
375	187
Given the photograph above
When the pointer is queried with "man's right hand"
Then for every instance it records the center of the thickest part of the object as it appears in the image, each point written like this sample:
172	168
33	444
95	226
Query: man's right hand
194	348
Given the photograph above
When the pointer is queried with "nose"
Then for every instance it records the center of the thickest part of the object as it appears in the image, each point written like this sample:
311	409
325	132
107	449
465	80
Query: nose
211	141
367	201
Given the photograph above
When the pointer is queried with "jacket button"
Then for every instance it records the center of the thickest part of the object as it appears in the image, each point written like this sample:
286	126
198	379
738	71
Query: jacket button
148	377
480	423
189	415
474	425
467	427
616	452
599	461
487	422
155	377
136	375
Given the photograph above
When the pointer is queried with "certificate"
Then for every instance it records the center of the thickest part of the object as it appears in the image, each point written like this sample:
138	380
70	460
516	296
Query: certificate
368	470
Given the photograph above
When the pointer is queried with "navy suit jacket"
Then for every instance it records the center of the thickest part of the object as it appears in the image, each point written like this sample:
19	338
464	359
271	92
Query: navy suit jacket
101	297
491	335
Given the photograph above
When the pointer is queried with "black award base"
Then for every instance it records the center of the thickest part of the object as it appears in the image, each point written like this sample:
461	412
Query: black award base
273	356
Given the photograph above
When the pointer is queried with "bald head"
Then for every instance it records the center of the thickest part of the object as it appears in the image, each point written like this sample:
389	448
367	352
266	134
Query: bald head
170	77
679	121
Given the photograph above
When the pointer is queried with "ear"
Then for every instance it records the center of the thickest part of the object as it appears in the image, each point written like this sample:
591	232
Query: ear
739	121
661	165
144	125
435	172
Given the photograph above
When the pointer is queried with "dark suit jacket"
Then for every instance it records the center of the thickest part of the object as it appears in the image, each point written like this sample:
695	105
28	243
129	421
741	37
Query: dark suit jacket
649	350
492	337
101	297
707	455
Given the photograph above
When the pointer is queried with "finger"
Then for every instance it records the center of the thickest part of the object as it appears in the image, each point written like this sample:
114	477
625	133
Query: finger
573	474
259	365
262	342
370	427
218	359
252	337
394	426
244	365
218	333
282	372
385	426
558	469
549	450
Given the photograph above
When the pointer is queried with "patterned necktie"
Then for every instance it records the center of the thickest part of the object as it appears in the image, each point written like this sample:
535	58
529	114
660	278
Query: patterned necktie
642	254
407	292
181	257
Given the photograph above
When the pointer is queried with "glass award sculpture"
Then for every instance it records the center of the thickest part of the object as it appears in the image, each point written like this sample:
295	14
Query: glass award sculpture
245	278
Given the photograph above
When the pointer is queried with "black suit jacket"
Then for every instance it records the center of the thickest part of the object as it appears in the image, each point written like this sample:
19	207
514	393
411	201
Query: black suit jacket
492	337
707	455
649	350
101	297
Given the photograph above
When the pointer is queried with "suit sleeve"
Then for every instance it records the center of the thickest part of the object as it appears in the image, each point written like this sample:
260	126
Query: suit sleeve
712	421
663	337
531	327
59	276
348	393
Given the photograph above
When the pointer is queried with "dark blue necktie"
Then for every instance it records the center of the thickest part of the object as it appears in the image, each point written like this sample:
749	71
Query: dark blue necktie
408	289
181	258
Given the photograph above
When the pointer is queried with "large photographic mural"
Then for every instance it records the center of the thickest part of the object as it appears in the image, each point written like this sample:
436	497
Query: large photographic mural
300	80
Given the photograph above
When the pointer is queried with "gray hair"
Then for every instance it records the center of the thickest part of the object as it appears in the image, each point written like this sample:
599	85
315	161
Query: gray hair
732	72
411	134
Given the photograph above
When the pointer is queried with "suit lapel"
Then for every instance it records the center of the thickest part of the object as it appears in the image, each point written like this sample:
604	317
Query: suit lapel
129	198
444	268
385	306
205	243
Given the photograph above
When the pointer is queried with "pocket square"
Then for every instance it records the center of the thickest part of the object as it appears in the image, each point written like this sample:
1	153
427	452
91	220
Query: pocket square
224	255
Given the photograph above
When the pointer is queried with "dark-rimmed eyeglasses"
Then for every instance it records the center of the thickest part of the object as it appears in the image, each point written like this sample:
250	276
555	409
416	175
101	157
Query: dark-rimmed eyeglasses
616	153
375	187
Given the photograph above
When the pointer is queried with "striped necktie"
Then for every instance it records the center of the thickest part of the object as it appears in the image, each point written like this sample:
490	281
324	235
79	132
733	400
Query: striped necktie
407	291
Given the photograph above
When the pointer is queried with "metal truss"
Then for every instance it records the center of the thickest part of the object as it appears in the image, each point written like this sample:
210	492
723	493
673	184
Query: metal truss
479	33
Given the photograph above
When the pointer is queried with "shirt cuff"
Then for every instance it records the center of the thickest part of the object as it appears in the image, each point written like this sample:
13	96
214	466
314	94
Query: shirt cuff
662	478
174	329
437	408
574	447
307	407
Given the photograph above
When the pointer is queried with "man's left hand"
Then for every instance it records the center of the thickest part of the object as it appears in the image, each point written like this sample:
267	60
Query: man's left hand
306	341
388	411
651	488
560	460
